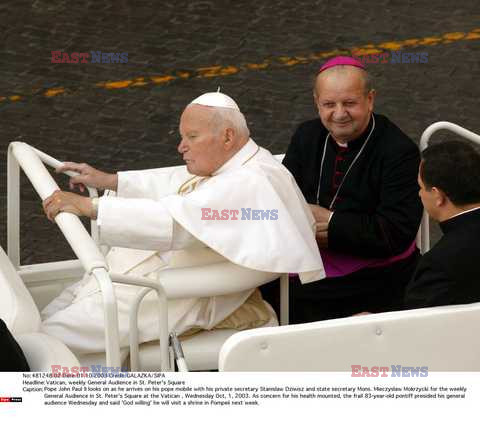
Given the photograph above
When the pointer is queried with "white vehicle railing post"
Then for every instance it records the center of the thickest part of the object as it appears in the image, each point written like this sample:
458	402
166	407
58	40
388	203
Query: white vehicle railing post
284	299
112	340
162	316
13	208
424	139
133	331
80	241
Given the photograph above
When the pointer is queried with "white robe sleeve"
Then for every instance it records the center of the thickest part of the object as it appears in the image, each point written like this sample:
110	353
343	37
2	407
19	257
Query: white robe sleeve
135	223
137	218
142	224
151	184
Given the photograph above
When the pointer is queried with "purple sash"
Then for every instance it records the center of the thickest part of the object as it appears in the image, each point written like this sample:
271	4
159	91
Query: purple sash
337	264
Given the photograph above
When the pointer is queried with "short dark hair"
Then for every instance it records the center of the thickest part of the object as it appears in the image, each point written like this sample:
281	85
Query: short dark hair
453	167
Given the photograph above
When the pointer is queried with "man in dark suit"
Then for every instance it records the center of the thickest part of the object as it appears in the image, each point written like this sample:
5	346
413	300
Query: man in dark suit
449	182
11	355
358	171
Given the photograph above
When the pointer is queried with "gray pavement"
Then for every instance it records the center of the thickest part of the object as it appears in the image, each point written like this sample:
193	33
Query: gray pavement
265	54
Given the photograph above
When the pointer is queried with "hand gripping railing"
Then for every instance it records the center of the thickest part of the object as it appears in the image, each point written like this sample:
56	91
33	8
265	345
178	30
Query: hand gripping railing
22	155
427	134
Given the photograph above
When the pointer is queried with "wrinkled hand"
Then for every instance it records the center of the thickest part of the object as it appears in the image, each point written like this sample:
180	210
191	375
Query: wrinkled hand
89	177
321	215
321	234
68	202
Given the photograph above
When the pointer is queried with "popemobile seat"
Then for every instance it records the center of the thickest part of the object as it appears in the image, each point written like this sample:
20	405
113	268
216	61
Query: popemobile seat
21	314
204	273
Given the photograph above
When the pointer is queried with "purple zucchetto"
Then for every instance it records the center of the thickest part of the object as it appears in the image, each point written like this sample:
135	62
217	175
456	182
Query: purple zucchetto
341	60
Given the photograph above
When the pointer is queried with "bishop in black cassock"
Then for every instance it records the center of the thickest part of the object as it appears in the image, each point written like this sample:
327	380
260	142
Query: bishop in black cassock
376	216
12	358
359	172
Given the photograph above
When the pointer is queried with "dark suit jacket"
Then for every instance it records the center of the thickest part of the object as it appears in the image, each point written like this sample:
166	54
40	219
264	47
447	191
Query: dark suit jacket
11	355
449	274
378	211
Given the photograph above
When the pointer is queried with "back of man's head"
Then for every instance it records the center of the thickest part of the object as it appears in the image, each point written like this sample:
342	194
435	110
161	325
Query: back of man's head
225	114
454	168
224	118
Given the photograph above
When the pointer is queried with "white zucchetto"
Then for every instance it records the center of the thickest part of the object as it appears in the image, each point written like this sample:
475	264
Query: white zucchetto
216	99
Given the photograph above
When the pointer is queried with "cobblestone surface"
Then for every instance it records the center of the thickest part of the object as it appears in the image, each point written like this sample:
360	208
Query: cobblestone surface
136	127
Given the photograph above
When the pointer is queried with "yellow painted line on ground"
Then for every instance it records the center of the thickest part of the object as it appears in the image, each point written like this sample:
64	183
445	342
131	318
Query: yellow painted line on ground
53	92
274	62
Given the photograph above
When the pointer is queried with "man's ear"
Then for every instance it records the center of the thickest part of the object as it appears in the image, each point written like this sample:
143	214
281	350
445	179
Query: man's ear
229	138
315	100
371	99
441	198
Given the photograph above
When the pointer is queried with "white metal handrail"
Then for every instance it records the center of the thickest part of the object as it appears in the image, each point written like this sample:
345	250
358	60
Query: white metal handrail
425	138
133	320
92	192
22	155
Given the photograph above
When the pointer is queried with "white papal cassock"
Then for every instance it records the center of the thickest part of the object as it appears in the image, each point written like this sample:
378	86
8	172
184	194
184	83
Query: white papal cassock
157	211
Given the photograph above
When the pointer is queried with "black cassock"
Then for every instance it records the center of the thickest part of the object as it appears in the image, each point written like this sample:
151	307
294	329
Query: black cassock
377	213
12	358
449	274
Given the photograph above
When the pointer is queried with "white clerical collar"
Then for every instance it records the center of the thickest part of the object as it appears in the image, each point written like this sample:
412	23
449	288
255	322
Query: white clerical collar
247	152
464	212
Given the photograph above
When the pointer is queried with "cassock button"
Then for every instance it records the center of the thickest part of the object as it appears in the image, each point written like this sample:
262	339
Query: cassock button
379	331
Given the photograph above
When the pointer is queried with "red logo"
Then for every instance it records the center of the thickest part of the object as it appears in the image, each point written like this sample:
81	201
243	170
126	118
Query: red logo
10	399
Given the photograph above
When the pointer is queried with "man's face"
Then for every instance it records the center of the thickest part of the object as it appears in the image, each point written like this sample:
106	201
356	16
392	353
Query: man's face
201	147
342	104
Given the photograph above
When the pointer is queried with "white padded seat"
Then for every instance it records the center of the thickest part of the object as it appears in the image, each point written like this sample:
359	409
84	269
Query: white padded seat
21	315
17	308
43	351
201	350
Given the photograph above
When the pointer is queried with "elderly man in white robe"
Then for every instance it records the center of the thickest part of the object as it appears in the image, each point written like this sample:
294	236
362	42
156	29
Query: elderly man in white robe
233	200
